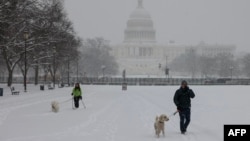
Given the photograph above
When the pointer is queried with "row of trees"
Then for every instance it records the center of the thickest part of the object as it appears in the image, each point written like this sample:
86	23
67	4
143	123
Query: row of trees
39	34
221	65
96	58
39	29
246	65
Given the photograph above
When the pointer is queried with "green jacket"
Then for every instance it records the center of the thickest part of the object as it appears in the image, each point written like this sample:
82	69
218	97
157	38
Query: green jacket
77	92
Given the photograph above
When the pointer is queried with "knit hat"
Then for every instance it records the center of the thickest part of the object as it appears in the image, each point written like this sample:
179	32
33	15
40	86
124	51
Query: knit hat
184	82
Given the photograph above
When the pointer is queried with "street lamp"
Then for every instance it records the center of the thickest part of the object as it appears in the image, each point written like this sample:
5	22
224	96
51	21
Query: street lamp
124	75
68	70
159	66
167	72
26	36
231	71
77	68
36	67
103	69
45	75
54	66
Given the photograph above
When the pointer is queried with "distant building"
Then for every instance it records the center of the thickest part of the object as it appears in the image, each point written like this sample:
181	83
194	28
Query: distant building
139	54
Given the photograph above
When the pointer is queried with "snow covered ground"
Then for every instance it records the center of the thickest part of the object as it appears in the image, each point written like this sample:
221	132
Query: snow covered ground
115	115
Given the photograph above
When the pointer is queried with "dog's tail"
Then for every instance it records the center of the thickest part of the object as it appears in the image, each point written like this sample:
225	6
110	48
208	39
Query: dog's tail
156	118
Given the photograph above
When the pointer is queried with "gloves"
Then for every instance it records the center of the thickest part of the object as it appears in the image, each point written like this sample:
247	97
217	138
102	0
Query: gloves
179	108
80	97
186	89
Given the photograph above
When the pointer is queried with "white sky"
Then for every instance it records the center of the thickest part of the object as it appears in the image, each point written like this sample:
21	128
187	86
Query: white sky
185	21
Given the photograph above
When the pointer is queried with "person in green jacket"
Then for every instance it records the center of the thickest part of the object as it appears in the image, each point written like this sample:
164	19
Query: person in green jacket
77	94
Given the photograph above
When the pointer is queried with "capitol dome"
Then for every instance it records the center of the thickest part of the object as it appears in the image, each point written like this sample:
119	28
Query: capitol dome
140	13
140	27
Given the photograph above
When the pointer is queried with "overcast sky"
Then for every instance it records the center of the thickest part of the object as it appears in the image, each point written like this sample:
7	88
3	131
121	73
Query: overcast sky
185	21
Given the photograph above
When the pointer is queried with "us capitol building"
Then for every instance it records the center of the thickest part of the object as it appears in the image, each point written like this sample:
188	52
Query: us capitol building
139	54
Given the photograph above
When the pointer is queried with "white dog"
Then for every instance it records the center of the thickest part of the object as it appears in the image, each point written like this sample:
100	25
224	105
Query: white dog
55	106
159	124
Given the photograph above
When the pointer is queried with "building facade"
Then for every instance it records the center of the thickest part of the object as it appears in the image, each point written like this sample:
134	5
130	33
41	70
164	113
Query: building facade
140	54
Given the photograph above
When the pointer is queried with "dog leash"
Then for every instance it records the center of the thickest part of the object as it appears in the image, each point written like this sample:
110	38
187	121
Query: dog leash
174	113
66	101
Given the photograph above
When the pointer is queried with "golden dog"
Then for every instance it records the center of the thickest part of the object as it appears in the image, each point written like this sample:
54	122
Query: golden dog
159	124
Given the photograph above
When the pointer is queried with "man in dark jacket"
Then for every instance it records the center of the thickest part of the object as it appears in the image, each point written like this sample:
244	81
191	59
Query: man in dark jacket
182	100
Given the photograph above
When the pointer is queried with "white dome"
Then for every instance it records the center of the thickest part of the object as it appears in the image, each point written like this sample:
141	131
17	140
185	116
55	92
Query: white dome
140	13
140	27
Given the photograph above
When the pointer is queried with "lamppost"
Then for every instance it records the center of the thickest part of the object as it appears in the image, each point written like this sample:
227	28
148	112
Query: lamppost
77	67
124	75
45	75
68	70
231	71
159	66
103	69
54	66
167	72
36	69
26	36
85	77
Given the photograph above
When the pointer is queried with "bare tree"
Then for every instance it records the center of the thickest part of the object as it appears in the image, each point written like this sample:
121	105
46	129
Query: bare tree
225	65
95	55
186	63
246	65
207	66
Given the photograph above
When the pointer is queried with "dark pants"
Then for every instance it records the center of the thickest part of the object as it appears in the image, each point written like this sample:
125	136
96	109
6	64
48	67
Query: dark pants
184	119
76	100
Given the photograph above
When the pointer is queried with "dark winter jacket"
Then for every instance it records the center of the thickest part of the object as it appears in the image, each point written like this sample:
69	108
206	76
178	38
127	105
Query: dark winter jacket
182	98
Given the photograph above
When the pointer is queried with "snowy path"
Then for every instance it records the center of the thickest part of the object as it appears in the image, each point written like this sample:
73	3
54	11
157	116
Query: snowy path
115	115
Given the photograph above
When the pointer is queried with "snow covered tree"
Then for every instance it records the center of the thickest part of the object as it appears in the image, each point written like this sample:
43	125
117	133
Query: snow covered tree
2	67
12	26
48	28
